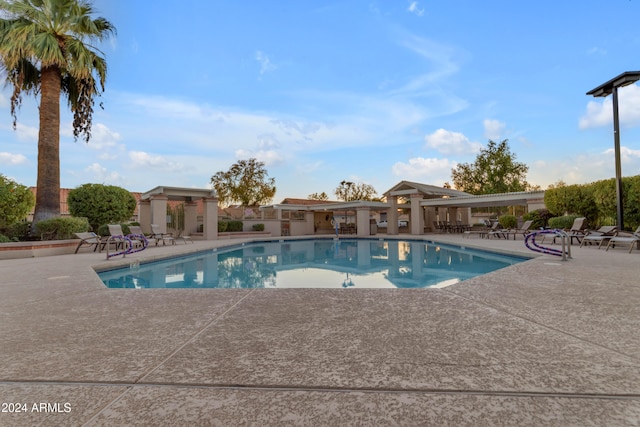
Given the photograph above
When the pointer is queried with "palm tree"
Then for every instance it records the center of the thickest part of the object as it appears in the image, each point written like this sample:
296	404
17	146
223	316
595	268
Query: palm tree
46	50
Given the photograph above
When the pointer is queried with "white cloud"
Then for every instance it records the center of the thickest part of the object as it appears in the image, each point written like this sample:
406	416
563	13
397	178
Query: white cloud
448	142
102	175
12	159
601	165
413	8
26	133
434	171
493	129
601	113
146	160
265	63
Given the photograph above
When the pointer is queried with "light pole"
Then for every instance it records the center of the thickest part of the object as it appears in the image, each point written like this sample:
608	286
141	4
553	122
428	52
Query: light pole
604	90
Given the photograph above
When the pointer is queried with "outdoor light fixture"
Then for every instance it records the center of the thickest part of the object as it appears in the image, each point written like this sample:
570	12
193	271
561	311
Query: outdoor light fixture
604	90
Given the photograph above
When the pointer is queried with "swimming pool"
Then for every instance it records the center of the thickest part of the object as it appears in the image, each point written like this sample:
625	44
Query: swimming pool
314	263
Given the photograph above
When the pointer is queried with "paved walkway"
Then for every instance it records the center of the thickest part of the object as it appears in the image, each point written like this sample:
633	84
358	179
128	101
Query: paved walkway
544	342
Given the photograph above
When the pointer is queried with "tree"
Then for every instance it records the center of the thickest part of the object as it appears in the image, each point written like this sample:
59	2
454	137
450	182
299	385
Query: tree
348	191
318	196
46	49
246	182
101	204
494	171
15	201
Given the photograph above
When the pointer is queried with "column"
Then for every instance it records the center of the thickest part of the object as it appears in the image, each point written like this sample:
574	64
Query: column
362	221
190	217
210	218
159	212
417	218
144	215
392	216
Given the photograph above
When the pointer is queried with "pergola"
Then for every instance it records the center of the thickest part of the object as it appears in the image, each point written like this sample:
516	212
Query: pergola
153	209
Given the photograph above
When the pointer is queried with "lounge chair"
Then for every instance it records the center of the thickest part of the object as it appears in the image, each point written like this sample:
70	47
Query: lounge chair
89	239
523	230
497	231
599	236
117	237
137	231
184	237
578	229
158	235
632	239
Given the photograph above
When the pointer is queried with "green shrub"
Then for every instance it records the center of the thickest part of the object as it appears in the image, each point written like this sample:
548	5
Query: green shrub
16	200
18	231
101	204
508	221
222	226
61	228
235	226
5	239
540	218
562	222
258	227
103	230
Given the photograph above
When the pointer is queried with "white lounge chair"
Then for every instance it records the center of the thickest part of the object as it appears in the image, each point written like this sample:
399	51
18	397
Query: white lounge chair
599	236
632	239
157	234
89	239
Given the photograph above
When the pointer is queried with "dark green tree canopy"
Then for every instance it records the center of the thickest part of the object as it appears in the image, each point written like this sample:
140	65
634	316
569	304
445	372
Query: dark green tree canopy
101	204
16	200
495	170
349	191
246	182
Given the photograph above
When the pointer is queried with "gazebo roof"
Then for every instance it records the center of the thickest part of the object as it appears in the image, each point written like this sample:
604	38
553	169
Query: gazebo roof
406	188
179	193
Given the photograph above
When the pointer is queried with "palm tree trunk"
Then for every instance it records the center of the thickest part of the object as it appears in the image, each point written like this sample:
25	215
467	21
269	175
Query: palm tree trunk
48	193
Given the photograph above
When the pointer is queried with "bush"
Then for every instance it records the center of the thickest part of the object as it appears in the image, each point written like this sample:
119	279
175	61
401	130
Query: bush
103	230
101	204
258	227
5	239
222	226
563	222
235	226
16	201
540	218
61	228
508	221
18	231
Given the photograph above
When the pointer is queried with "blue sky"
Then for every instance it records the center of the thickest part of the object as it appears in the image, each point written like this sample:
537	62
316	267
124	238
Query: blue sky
367	91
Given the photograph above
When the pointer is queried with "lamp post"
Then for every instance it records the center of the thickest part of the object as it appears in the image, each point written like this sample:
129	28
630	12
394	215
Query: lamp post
604	90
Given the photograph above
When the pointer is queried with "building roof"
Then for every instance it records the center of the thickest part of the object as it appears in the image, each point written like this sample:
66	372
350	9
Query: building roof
406	188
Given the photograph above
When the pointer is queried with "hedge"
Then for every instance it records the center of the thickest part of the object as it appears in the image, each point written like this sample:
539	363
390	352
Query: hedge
61	228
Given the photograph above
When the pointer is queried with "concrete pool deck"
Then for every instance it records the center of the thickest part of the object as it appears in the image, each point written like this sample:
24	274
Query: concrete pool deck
543	342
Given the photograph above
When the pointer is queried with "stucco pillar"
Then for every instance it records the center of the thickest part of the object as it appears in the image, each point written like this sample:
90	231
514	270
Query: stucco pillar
362	221
190	217
309	226
210	218
430	217
159	212
392	216
144	215
417	218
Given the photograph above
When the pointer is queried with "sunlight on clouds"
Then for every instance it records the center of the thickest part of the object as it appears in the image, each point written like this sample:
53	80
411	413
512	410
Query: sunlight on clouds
26	133
102	175
269	157
434	171
12	159
413	8
600	113
493	129
142	159
448	142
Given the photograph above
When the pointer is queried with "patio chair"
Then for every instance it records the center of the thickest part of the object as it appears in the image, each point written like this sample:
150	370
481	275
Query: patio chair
136	230
184	237
89	239
578	229
632	239
158	235
601	235
497	231
523	230
117	237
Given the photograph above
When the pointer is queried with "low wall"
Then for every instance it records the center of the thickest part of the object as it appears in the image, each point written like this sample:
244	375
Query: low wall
242	234
16	250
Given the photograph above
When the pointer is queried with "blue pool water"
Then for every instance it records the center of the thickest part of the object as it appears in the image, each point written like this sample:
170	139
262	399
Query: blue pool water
319	263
